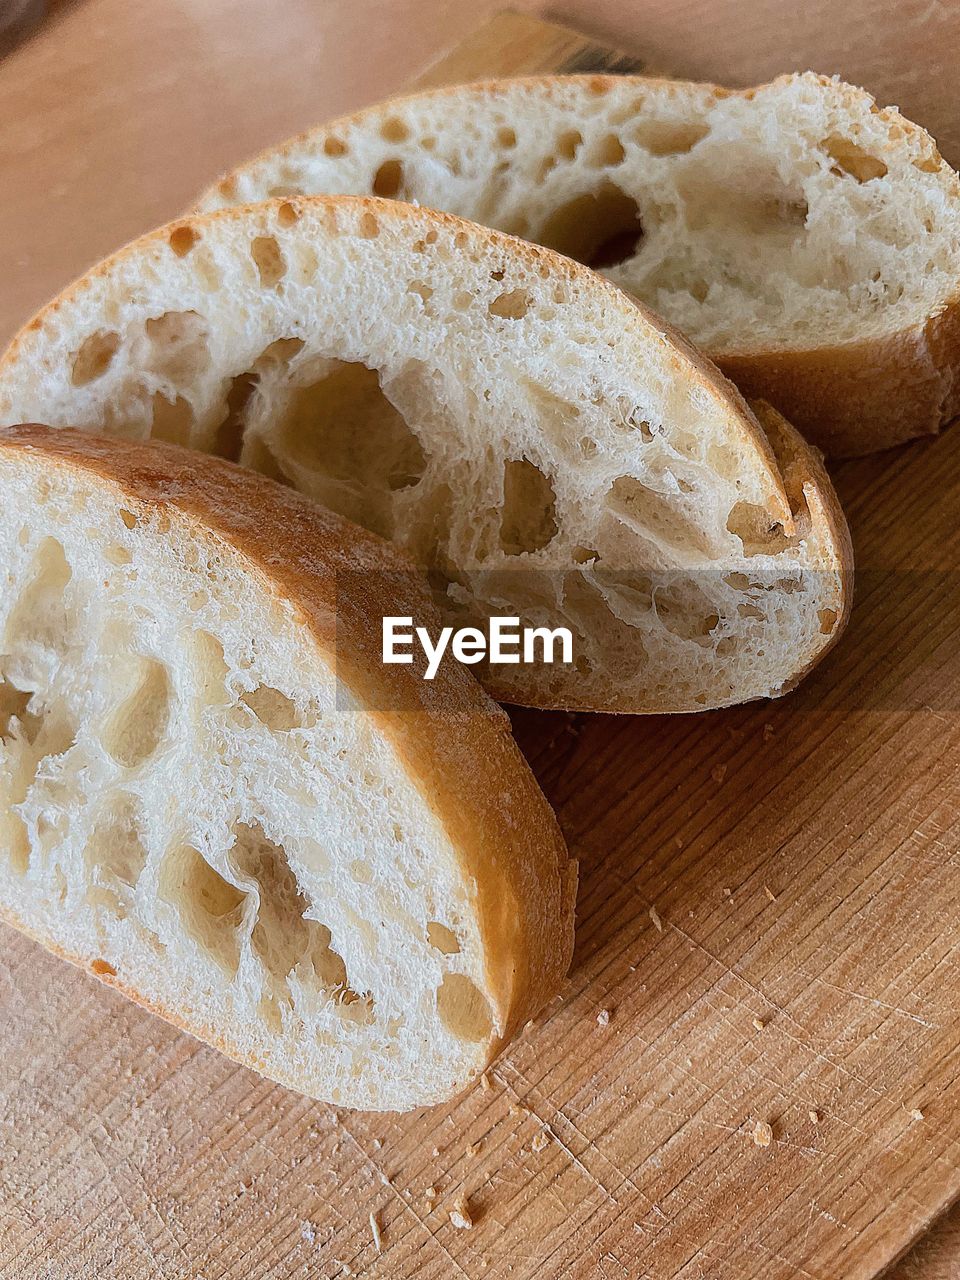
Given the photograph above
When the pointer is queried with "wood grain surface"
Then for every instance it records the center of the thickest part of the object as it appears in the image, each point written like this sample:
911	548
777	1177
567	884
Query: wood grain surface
768	918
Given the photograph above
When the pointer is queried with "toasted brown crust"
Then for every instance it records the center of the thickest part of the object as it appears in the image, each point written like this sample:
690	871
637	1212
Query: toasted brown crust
453	740
863	396
847	399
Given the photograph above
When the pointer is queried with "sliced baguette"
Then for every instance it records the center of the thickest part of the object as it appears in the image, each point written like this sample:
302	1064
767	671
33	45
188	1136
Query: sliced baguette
525	430
807	241
215	797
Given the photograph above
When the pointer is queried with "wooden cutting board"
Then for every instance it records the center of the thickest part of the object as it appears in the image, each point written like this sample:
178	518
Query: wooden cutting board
767	932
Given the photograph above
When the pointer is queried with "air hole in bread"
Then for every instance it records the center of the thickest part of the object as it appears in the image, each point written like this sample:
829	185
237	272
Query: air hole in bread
118	554
463	1008
585	555
210	668
368	227
115	851
599	228
288	215
850	158
512	305
569	143
37	624
272	708
94	357
134	731
929	164
29	737
179	351
443	939
393	129
685	610
182	239
388	179
269	260
668	137
607	152
334	146
228	441
506	137
656	515
103	968
284	940
528	520
171	420
828	620
347	445
13	710
422	290
229	438
759	534
210	907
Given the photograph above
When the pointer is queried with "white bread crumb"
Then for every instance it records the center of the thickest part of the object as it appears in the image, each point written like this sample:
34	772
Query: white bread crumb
762	1133
541	1140
460	1215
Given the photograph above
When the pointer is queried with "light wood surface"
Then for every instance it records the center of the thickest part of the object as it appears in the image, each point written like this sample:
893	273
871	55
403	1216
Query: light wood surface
769	902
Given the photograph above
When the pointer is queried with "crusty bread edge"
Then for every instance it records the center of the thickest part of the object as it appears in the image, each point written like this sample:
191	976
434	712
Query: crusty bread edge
866	395
847	399
525	880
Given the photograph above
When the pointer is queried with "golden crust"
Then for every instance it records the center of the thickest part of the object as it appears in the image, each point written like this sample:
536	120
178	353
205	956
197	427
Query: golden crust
454	742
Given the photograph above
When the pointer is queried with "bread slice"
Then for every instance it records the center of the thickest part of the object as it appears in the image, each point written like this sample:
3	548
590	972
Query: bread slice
216	798
806	240
538	441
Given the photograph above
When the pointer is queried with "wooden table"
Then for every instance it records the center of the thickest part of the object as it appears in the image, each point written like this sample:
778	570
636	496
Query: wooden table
769	902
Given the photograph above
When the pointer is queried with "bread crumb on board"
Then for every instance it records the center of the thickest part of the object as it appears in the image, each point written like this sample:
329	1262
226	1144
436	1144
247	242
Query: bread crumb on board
603	1018
654	915
759	1023
460	1215
375	1232
769	892
814	1116
474	1148
541	1140
486	1084
762	1133
916	1114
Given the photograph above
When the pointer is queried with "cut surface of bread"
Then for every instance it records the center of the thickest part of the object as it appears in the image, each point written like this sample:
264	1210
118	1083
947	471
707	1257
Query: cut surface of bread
807	241
214	797
538	441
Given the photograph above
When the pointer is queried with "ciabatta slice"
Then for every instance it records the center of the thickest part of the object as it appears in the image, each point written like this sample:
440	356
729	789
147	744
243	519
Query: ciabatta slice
216	798
540	442
806	240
